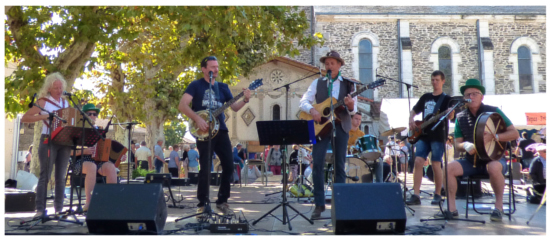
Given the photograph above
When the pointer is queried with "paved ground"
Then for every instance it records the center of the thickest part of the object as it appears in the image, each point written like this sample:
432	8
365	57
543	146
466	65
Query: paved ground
251	203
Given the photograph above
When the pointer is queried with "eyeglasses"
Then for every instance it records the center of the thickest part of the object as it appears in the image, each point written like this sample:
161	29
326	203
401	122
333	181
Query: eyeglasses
92	114
475	94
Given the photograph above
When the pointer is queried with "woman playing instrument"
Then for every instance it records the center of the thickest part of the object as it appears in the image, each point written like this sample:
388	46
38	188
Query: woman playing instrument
90	167
51	99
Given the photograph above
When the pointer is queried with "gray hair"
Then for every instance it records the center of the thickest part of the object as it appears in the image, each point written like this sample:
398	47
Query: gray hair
48	83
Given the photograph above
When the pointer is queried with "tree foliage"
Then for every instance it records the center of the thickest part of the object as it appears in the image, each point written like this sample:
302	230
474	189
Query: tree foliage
174	133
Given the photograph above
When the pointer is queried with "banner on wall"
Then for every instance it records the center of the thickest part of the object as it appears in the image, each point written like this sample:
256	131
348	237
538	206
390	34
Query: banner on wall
538	118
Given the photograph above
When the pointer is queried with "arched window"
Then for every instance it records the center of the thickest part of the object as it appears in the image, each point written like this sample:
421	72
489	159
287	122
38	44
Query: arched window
525	71
365	65
366	129
446	66
276	112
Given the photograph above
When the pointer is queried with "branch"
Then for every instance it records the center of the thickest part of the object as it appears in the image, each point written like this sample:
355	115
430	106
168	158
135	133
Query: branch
72	53
16	24
75	67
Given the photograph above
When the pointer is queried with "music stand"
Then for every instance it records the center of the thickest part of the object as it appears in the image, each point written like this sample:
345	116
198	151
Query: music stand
71	136
285	133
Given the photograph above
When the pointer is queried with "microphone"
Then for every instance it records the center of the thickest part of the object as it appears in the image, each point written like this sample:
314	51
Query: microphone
210	73
67	93
32	101
329	73
466	101
355	178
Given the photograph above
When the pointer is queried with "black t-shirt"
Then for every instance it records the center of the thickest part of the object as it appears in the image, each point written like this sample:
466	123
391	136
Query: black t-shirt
293	158
184	155
200	91
426	105
523	144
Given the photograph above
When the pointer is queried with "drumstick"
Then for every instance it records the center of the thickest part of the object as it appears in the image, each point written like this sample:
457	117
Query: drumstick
494	135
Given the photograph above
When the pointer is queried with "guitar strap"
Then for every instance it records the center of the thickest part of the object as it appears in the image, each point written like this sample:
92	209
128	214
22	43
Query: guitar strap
438	104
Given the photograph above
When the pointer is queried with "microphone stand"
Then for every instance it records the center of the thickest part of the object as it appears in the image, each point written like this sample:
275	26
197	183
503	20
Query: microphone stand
85	119
447	215
129	127
45	218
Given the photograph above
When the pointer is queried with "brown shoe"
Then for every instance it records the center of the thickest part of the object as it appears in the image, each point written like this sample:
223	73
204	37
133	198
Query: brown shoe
317	212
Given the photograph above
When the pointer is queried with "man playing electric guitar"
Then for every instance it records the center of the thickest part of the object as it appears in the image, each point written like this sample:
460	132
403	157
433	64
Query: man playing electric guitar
319	91
430	104
198	94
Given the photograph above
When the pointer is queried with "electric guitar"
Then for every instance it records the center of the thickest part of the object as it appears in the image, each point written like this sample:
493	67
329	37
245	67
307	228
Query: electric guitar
418	130
323	128
214	124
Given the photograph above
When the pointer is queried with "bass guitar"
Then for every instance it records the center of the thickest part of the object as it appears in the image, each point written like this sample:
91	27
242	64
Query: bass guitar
418	130
322	128
214	124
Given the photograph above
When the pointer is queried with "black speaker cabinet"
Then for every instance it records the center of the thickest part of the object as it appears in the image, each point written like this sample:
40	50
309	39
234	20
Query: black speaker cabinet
163	178
20	202
215	178
462	186
368	208
193	177
127	209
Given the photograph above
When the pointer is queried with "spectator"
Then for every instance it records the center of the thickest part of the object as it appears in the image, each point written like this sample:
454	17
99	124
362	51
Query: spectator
159	156
174	161
253	173
144	157
193	157
403	155
537	171
293	163
237	159
184	161
526	156
28	159
274	159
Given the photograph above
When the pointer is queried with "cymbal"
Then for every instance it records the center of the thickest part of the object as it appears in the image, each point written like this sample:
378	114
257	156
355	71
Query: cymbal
393	131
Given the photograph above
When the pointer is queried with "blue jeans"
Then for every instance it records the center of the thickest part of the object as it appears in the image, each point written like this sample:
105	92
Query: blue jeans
158	166
437	148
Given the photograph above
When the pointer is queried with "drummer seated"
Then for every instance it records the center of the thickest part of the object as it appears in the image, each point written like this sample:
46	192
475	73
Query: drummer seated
86	165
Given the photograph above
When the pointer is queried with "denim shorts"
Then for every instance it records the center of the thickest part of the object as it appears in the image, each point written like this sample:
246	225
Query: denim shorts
468	167
424	147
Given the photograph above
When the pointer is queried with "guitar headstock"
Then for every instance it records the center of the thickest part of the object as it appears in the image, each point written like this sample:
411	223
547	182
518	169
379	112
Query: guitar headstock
255	84
376	84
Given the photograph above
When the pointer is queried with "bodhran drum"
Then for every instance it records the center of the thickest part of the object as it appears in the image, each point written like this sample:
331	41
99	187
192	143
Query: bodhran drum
358	167
368	147
491	123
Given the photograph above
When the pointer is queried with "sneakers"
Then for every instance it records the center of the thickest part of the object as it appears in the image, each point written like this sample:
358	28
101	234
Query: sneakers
317	212
496	216
203	217
437	199
440	214
224	208
413	200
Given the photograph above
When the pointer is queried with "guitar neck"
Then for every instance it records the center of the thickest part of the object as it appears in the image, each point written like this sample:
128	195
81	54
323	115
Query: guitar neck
356	93
432	120
220	110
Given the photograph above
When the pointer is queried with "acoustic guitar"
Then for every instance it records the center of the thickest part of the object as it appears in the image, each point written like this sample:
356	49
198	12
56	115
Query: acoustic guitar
323	127
214	124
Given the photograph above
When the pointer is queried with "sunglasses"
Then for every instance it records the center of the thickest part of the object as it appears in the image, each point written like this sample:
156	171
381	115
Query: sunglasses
92	114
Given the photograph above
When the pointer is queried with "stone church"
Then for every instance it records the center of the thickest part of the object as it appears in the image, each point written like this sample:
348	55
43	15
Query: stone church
502	46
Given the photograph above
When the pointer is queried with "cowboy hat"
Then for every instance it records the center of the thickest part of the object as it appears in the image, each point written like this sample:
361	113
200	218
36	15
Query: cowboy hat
332	54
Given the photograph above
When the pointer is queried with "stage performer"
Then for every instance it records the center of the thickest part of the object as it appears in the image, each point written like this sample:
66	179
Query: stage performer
430	104
198	95
464	139
89	166
319	91
51	99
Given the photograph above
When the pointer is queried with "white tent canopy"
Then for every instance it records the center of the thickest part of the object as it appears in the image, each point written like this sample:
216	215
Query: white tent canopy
395	112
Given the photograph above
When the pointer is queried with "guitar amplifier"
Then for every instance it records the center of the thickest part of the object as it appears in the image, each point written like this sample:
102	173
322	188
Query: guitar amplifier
215	178
20	201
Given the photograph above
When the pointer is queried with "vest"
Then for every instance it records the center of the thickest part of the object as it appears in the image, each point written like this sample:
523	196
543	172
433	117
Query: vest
467	122
346	87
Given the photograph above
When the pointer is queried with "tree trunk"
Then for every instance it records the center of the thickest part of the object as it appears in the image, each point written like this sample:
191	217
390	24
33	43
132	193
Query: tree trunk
35	163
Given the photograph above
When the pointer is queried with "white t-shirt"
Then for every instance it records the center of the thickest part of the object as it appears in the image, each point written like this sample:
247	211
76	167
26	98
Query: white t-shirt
142	153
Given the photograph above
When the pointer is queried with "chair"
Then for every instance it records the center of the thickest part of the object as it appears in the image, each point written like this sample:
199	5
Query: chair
263	170
511	195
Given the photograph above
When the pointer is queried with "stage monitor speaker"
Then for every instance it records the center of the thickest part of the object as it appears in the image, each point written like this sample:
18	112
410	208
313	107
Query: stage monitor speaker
127	209
163	178
368	208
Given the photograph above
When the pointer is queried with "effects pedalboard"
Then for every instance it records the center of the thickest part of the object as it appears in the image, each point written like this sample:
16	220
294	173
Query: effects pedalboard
233	226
